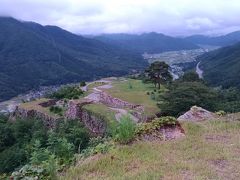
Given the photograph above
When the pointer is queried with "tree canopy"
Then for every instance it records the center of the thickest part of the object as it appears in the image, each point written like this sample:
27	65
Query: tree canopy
158	73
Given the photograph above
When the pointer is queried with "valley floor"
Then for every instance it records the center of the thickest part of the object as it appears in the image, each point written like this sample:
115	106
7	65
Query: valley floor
210	150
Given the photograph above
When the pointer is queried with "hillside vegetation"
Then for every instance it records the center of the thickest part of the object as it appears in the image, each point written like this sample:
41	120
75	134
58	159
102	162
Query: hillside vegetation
221	67
224	40
32	55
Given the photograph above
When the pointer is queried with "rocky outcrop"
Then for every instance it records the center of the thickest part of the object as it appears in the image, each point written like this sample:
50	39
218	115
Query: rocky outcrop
165	133
197	114
49	121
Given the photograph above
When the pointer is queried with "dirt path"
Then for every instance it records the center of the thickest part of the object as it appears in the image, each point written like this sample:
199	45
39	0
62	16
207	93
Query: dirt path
95	95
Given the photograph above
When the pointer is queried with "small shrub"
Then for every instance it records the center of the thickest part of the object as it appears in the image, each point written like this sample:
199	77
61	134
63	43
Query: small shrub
97	145
147	128
155	90
148	93
4	176
51	166
11	158
96	140
125	130
75	97
60	147
67	92
82	83
30	172
46	170
39	154
56	110
221	113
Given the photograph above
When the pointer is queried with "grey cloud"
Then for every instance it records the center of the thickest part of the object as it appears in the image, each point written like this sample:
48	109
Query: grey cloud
173	17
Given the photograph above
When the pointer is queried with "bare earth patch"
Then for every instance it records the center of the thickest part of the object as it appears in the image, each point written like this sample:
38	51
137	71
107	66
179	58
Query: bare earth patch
221	166
165	133
170	133
187	175
133	166
218	138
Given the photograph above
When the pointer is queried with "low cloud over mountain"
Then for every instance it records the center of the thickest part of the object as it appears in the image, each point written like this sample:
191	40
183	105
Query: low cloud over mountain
172	17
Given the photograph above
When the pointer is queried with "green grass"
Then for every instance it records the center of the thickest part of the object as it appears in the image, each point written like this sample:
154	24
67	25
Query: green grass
210	150
101	110
134	91
34	105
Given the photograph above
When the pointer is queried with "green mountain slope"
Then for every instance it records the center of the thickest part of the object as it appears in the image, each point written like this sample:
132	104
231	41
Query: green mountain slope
222	67
224	40
32	55
147	42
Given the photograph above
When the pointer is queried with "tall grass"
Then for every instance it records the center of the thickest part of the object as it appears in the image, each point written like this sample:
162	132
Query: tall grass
125	130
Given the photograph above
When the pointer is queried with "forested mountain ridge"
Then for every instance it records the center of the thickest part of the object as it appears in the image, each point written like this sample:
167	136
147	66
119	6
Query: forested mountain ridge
224	40
32	55
222	67
147	42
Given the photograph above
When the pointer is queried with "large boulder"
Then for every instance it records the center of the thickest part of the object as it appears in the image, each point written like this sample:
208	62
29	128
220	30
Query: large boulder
197	114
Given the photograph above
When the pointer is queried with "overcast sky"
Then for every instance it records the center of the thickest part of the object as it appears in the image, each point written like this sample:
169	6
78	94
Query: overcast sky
172	17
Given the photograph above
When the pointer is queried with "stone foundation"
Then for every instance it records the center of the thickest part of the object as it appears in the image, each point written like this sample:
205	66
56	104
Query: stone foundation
96	125
110	101
48	121
138	110
75	111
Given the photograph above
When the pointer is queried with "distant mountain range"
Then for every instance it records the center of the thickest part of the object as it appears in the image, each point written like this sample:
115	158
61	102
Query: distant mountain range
225	40
222	67
157	42
32	55
147	42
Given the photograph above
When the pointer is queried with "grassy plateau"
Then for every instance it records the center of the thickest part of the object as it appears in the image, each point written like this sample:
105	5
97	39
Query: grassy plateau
34	105
134	91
